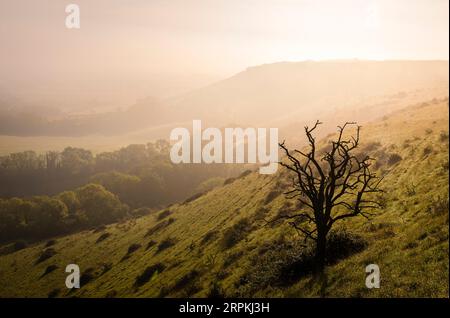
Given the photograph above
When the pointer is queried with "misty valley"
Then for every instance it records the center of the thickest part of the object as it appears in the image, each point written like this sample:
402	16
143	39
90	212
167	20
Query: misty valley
193	151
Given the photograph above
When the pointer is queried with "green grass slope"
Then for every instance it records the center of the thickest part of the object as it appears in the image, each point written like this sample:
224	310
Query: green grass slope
214	243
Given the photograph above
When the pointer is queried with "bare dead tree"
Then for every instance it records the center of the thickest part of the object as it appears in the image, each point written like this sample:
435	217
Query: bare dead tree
330	187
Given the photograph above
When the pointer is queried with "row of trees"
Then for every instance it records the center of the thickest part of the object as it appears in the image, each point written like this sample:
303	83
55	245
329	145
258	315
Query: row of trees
141	175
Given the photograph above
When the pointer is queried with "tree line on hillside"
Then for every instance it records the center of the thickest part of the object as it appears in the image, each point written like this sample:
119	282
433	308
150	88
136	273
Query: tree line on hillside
142	175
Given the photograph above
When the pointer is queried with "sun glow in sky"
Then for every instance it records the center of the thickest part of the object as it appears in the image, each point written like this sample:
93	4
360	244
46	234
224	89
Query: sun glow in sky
135	38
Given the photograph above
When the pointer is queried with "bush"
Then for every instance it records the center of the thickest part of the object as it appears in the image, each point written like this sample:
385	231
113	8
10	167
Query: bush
163	214
50	243
427	150
211	235
282	263
49	269
133	248
232	258
103	237
271	196
87	276
261	213
150	244
170	221
279	264
342	244
186	279
229	181
148	273
443	136
438	206
165	244
235	233
193	198
158	227
394	158
45	255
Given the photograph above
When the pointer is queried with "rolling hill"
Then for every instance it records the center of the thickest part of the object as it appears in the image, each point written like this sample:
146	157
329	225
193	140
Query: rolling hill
219	244
271	94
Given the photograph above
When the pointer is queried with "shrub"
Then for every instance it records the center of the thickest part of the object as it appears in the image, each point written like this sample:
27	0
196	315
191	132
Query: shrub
271	196
49	269
133	248
165	244
211	235
148	273
232	258
235	233
438	206
45	255
229	181
427	150
193	198
50	243
103	237
87	276
158	227
150	244
342	244
170	221
428	131
186	279
260	213
443	136
191	289
394	158
163	214
282	263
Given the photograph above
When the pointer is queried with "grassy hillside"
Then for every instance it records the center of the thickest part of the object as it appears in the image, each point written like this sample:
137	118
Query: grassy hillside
218	243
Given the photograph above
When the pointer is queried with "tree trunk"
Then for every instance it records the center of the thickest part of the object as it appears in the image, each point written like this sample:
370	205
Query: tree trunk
321	244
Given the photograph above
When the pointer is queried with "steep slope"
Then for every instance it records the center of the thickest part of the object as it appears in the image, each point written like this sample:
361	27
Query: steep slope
213	244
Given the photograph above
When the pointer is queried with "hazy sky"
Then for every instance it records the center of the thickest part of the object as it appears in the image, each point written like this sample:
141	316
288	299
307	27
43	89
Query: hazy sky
147	42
